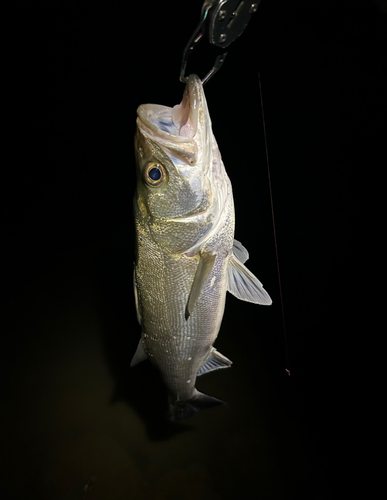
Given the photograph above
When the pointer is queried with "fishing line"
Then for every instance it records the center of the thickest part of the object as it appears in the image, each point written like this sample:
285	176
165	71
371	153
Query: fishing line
273	222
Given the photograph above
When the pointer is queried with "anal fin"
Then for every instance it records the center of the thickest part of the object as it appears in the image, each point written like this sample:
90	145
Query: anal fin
140	355
216	361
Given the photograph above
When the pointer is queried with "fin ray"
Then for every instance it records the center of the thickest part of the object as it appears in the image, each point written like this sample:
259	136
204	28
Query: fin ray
240	251
244	285
216	361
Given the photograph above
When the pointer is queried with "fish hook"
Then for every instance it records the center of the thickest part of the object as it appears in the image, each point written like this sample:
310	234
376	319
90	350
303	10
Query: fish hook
226	20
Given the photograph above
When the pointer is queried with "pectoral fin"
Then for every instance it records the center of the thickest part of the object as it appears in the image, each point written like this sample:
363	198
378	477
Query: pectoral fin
136	296
139	355
203	271
244	285
216	361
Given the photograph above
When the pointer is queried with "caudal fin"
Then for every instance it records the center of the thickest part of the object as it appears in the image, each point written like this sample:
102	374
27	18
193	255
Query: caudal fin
181	410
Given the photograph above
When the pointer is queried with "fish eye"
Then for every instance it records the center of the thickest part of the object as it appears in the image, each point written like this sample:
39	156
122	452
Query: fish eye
154	174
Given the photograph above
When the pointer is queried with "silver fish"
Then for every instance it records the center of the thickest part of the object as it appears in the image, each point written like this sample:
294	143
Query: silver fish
186	255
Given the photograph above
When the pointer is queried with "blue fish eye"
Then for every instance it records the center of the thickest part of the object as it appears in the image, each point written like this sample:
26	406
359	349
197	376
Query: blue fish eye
154	173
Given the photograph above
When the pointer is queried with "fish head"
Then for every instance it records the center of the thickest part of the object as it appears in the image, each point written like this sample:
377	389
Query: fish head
181	180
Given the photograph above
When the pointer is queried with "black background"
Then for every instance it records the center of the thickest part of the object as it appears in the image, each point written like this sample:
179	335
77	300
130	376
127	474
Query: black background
77	423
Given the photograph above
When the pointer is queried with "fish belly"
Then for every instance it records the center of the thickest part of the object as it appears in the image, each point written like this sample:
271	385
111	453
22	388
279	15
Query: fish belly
176	346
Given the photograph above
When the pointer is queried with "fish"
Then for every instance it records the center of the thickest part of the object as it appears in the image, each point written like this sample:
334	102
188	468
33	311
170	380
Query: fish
186	257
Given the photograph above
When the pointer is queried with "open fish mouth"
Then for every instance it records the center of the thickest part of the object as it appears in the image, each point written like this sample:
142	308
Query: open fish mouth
179	123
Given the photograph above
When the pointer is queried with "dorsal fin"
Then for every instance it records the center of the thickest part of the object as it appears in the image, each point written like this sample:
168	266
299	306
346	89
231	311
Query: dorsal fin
214	362
240	251
244	285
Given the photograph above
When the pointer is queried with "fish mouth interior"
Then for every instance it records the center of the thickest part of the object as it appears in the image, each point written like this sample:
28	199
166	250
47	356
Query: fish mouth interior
181	121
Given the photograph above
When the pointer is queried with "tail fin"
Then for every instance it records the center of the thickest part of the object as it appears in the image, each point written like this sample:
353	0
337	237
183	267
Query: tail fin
181	410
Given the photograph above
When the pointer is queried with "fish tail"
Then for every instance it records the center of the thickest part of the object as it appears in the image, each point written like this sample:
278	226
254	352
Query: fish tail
181	410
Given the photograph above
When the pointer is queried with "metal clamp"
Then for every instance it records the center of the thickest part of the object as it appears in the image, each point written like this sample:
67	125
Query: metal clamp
226	20
229	20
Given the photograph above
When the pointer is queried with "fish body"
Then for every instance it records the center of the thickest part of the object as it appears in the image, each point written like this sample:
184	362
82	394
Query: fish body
186	255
